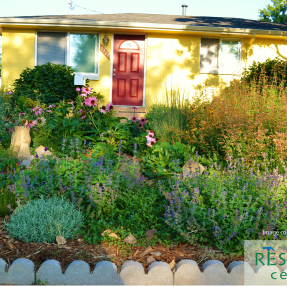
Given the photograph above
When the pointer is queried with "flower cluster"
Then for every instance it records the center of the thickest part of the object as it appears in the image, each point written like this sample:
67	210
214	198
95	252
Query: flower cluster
37	111
141	120
84	91
150	139
108	108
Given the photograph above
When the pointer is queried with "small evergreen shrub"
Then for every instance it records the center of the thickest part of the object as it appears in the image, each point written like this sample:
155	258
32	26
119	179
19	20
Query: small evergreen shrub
42	220
48	83
7	201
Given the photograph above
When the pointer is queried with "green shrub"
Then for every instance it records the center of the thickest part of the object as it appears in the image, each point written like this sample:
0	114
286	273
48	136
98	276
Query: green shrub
272	71
43	219
165	159
48	83
7	201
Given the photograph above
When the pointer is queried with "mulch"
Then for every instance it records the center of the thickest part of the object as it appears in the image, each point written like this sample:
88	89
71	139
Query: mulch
78	249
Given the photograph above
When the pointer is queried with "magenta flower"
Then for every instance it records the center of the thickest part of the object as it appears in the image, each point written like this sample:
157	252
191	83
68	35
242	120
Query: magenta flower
134	108
21	114
83	117
51	106
134	119
91	101
87	90
80	110
110	106
143	121
48	111
103	110
78	89
38	112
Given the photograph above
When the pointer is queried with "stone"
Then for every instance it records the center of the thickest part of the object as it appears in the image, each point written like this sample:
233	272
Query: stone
191	168
60	240
26	162
150	259
20	142
113	235
150	233
130	239
108	231
40	148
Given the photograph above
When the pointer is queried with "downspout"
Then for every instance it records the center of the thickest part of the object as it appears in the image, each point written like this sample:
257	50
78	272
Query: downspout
248	47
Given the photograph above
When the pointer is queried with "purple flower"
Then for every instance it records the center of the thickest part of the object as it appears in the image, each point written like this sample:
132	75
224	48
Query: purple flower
134	108
36	156
9	93
46	148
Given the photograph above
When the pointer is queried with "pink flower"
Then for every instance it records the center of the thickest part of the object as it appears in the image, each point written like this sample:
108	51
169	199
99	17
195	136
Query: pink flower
151	143
78	89
21	114
83	95
150	135
83	117
80	110
51	106
143	121
91	102
48	111
134	119
87	90
38	112
103	110
134	108
110	106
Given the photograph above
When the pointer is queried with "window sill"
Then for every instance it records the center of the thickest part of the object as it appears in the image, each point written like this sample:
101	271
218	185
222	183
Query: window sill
219	72
90	76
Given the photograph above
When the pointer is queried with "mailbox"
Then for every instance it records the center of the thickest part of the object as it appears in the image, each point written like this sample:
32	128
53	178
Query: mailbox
79	80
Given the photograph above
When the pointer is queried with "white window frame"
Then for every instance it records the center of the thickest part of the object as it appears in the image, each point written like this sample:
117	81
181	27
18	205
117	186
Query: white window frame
89	76
219	70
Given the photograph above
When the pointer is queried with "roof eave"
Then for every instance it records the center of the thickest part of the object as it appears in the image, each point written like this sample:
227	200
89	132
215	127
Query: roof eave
133	25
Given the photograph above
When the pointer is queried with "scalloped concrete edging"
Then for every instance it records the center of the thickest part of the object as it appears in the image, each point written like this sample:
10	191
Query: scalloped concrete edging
186	272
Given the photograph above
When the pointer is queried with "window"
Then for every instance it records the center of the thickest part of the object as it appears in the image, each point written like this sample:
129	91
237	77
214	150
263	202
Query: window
219	56
80	51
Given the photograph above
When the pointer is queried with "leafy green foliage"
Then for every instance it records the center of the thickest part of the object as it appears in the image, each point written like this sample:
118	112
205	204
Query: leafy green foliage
43	219
48	83
165	159
275	13
266	73
8	160
7	201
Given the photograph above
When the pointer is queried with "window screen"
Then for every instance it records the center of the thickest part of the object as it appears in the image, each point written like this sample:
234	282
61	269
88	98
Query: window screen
51	47
83	49
209	51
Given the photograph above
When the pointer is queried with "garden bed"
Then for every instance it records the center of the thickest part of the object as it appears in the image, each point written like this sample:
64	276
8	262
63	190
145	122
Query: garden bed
78	249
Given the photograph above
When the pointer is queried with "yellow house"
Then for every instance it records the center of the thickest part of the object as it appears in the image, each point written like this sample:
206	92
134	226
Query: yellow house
133	58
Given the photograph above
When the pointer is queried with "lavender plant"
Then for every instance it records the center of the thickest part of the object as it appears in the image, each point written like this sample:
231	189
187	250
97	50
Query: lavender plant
223	208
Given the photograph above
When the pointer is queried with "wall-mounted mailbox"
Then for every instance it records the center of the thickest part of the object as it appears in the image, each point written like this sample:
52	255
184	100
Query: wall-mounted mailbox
79	80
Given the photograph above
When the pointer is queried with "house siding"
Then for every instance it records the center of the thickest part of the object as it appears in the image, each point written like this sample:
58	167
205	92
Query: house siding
172	62
17	53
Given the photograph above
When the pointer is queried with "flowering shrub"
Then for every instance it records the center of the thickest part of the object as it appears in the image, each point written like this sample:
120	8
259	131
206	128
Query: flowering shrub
222	209
113	193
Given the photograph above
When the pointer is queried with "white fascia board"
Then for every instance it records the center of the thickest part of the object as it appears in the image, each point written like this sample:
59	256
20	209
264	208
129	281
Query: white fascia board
135	25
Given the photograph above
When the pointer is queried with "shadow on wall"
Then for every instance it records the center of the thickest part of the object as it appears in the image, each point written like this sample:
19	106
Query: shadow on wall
253	50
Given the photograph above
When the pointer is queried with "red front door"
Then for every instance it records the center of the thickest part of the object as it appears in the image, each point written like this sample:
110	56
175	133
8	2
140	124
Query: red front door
128	70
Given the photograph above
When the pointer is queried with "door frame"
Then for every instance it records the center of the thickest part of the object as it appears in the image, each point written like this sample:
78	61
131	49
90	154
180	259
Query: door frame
112	63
